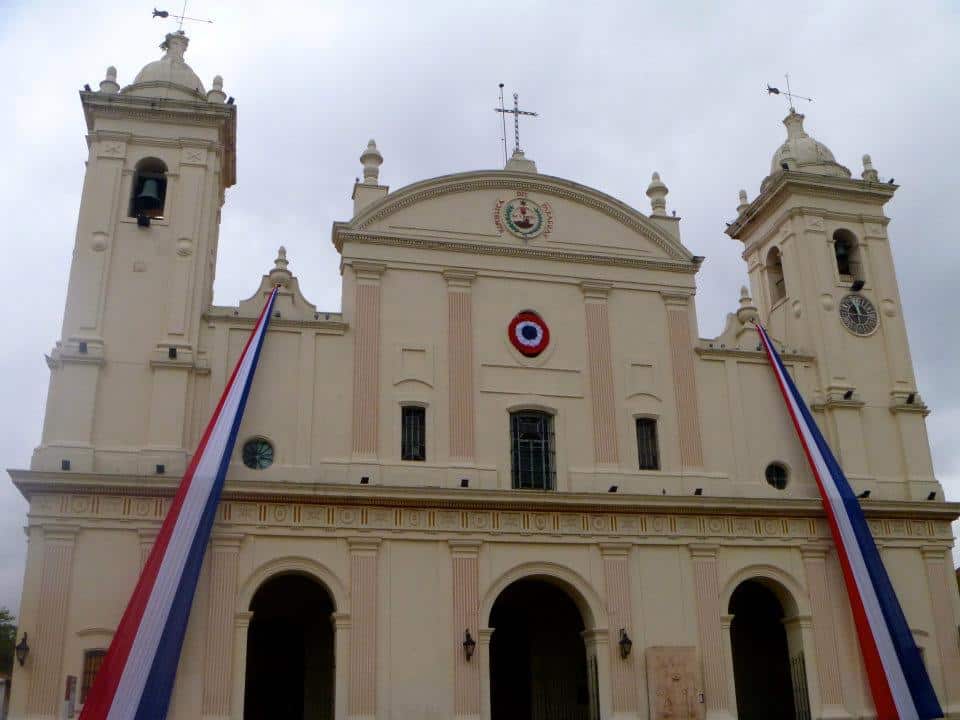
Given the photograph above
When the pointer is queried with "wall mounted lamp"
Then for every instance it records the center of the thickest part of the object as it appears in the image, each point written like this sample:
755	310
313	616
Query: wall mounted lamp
22	650
626	644
469	645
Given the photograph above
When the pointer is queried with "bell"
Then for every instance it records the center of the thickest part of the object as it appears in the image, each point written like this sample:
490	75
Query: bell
149	197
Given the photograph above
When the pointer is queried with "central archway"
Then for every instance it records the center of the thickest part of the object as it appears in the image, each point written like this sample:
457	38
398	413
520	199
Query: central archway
768	663
290	651
539	665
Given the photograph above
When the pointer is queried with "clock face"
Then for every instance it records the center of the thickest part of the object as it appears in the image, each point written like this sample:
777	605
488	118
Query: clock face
858	314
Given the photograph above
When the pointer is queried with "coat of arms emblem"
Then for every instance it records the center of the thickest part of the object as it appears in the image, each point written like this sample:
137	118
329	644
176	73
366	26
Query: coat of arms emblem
523	217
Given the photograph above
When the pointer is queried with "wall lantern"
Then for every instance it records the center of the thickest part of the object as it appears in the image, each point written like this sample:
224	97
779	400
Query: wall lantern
469	645
22	650
626	644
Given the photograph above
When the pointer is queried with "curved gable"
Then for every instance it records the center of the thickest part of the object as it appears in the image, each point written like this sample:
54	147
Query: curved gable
459	212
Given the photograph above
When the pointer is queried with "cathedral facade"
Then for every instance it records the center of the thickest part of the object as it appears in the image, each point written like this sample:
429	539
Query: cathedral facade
508	479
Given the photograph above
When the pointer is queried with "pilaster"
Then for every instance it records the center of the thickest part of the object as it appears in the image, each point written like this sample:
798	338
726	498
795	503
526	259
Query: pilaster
460	363
466	606
824	632
623	671
363	641
366	359
715	667
946	624
49	635
606	449
223	554
680	337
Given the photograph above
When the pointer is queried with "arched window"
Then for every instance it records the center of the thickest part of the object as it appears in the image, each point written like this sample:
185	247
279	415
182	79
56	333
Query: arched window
533	464
148	193
847	255
778	288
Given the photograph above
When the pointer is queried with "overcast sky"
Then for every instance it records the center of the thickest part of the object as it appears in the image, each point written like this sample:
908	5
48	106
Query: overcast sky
622	89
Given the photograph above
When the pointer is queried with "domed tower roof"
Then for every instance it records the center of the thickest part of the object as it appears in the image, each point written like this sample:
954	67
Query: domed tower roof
170	76
802	153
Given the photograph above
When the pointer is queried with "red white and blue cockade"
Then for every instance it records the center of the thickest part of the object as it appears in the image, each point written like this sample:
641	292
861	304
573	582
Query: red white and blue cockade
137	674
899	682
529	333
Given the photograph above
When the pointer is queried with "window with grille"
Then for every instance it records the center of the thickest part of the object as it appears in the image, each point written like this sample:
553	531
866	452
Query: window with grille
531	450
647	444
92	660
413	434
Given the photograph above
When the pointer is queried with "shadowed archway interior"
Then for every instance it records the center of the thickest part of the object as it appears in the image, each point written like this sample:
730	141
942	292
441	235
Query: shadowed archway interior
290	651
761	655
538	660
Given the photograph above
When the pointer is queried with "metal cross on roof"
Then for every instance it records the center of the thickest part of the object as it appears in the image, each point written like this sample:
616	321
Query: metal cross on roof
790	96
516	112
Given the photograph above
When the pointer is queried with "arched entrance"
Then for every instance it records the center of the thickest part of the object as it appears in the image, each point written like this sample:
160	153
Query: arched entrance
768	662
539	665
290	651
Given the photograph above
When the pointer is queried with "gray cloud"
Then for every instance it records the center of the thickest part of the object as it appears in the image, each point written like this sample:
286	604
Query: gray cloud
622	89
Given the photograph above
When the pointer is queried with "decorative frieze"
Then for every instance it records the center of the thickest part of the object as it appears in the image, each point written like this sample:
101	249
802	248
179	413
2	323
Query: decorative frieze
441	517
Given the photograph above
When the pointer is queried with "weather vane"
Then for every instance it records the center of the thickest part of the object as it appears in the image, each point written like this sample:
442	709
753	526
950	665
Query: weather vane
180	18
516	112
790	96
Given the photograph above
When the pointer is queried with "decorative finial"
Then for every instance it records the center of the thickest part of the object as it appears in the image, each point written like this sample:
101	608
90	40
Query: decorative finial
280	275
216	94
869	173
109	83
371	161
175	45
744	203
657	192
747	312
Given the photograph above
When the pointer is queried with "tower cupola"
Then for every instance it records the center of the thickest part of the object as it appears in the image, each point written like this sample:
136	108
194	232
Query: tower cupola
802	153
170	76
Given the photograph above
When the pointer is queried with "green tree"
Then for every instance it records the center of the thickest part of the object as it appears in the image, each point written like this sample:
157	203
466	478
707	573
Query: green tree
8	638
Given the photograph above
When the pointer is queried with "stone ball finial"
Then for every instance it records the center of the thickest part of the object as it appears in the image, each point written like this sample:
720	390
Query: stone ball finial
216	94
744	202
869	173
109	83
657	192
371	159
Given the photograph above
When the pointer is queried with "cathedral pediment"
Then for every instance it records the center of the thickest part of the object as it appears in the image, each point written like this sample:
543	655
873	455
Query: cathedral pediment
519	214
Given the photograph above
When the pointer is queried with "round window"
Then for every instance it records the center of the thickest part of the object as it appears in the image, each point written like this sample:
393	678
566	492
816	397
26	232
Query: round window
777	475
257	453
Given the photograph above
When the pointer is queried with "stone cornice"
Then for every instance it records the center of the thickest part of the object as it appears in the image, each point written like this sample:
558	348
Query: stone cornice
169	110
342	235
31	482
500	179
809	184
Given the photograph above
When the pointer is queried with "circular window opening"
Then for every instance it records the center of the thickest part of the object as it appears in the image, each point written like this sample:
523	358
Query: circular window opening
257	454
777	475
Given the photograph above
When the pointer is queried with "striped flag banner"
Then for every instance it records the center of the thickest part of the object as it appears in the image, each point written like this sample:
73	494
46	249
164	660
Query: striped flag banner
137	674
898	679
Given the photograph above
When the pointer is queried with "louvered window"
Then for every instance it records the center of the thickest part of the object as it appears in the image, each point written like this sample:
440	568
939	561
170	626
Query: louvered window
413	435
647	444
532	450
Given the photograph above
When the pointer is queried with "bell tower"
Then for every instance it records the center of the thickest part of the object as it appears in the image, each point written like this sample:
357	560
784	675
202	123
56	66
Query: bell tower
161	155
822	274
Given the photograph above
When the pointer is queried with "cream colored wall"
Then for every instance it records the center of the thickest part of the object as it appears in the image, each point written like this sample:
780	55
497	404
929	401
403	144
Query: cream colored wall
417	640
